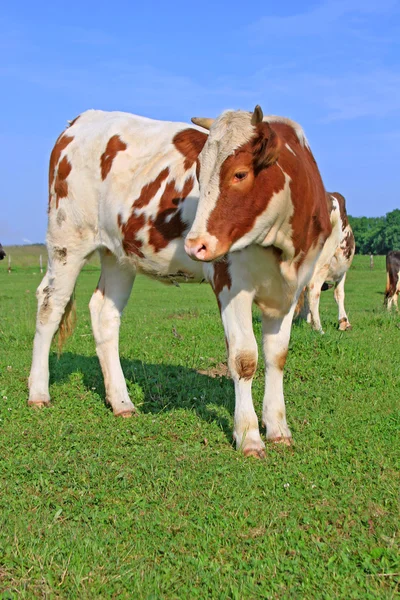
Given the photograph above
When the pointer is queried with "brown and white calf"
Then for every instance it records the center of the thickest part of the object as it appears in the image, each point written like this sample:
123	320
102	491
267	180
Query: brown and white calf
127	186
2	252
392	279
331	266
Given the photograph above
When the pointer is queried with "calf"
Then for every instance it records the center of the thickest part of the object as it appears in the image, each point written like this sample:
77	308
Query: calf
392	279
2	252
255	227
331	266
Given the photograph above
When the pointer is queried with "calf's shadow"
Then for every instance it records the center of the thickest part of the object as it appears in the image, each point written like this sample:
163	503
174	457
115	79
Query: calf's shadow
158	387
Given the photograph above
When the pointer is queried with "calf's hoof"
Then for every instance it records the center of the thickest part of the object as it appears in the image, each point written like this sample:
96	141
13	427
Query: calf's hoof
40	402
344	326
250	443
253	451
126	413
285	441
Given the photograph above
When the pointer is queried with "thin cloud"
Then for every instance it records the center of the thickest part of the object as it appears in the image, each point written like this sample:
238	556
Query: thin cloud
319	20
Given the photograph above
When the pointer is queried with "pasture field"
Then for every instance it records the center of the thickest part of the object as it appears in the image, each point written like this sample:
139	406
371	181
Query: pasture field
161	505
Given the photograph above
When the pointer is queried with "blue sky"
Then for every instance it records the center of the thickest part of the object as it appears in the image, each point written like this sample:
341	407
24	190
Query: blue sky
334	66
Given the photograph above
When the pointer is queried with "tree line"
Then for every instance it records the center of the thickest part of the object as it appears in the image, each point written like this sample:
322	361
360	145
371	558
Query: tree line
377	235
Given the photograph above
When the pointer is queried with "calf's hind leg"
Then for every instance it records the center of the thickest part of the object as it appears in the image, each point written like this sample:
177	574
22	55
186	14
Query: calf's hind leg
314	293
106	305
344	323
53	295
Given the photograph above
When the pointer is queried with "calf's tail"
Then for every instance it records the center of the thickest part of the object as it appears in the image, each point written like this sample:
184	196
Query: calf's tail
67	323
389	287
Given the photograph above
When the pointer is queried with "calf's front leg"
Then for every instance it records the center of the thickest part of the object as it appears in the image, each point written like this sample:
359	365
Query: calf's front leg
241	344
276	335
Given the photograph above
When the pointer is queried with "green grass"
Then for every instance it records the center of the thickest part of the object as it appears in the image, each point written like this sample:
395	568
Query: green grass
161	505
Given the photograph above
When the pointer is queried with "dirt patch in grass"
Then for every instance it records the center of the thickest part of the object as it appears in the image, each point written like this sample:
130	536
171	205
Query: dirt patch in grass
220	370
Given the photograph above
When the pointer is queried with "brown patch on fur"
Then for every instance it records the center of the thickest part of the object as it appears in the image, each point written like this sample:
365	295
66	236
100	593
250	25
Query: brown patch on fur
135	223
149	190
280	360
221	277
189	143
348	245
168	225
45	309
62	142
61	185
114	145
129	230
67	323
60	254
246	364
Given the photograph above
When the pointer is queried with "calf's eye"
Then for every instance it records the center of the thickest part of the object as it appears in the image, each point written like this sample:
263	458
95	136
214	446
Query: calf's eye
240	176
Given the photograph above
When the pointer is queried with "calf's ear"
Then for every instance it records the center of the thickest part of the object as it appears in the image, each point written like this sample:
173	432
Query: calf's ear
266	147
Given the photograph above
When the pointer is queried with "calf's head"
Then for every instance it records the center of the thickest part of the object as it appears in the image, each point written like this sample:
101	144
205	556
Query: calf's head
237	180
2	253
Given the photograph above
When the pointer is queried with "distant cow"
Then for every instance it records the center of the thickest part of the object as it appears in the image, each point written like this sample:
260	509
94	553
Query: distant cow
331	267
255	226
2	252
392	279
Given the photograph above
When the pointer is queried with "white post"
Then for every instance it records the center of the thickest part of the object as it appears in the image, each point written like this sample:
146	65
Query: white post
41	263
371	261
9	263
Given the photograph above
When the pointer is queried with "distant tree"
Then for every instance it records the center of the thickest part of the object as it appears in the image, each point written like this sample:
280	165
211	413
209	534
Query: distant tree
392	230
377	235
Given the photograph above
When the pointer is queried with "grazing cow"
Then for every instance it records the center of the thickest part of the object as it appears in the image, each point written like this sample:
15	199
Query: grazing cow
393	279
2	252
255	226
331	267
